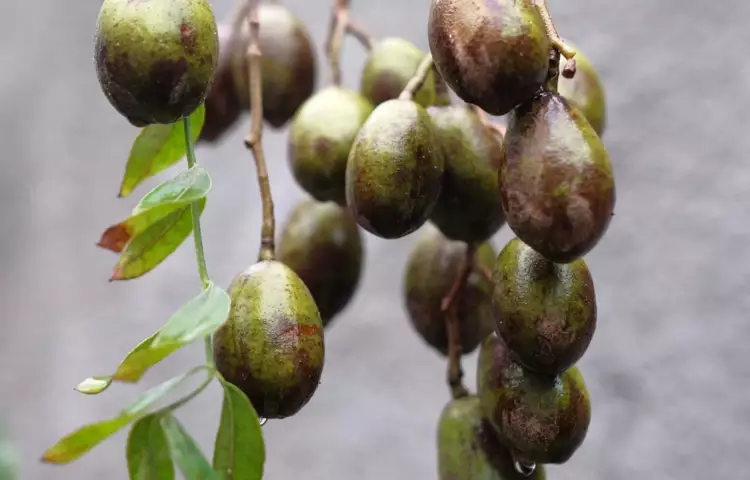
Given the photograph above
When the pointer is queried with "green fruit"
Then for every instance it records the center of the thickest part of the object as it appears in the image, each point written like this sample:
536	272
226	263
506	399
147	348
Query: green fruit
492	53
320	138
442	92
271	345
468	448
541	418
469	207
545	312
556	180
431	270
585	91
155	60
322	244
389	67
288	67
395	170
223	108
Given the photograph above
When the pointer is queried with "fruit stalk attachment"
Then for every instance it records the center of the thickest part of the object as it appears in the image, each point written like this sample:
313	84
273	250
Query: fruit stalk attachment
558	48
449	309
195	208
416	82
253	141
341	23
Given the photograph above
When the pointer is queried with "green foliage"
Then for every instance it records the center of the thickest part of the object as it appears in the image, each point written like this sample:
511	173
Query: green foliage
185	452
147	451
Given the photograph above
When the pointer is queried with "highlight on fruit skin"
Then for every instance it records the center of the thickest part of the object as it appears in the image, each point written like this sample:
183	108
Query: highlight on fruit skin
541	418
155	60
556	180
431	270
322	243
395	170
585	90
271	345
492	53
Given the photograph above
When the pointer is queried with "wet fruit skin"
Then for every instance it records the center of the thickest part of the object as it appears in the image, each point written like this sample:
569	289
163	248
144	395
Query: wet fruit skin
556	181
468	448
289	65
389	67
469	207
545	312
271	346
395	170
585	91
155	60
322	244
492	53
542	418
431	269
320	138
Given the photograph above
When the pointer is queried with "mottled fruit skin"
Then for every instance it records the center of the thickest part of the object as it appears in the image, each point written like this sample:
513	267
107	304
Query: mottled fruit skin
468	448
556	180
271	346
320	138
223	107
492	53
155	60
545	312
541	418
395	170
289	65
389	67
585	91
469	208
322	244
431	269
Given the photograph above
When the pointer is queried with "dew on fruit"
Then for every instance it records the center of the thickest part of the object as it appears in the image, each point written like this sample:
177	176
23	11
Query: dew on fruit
262	421
524	468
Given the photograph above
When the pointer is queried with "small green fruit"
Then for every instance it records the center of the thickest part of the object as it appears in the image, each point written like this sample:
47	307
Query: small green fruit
431	270
585	91
389	67
545	312
320	138
492	53
468	448
543	419
395	170
155	60
556	180
469	208
322	244
271	345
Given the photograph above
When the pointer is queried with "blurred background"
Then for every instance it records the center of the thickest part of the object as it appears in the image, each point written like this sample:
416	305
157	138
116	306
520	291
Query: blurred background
667	370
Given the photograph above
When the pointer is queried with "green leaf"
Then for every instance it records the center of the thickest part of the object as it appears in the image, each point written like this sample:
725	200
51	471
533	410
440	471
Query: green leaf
239	451
147	451
87	437
188	186
185	452
157	148
198	318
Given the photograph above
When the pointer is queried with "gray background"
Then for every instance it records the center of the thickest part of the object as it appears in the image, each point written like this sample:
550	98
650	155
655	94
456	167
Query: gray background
667	371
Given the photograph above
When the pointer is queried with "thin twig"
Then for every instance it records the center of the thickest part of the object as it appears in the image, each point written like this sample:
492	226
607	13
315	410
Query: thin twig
341	23
485	119
253	141
558	48
449	308
416	82
484	271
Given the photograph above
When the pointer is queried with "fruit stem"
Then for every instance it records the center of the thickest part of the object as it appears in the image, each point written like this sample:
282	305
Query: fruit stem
416	82
195	208
558	48
341	23
253	140
449	308
484	118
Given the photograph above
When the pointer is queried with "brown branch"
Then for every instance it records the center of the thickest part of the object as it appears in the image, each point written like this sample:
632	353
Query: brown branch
449	308
253	141
340	24
416	82
485	119
558	48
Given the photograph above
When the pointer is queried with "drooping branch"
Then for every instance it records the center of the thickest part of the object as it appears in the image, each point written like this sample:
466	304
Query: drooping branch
416	82
254	139
341	23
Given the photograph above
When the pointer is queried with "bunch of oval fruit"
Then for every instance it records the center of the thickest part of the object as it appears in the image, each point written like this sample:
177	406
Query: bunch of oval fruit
392	164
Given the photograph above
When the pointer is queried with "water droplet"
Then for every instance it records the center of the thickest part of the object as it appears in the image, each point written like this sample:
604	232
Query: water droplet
263	421
524	468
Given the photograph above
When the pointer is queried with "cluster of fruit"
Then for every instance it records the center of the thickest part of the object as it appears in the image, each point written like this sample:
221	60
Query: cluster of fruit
399	156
